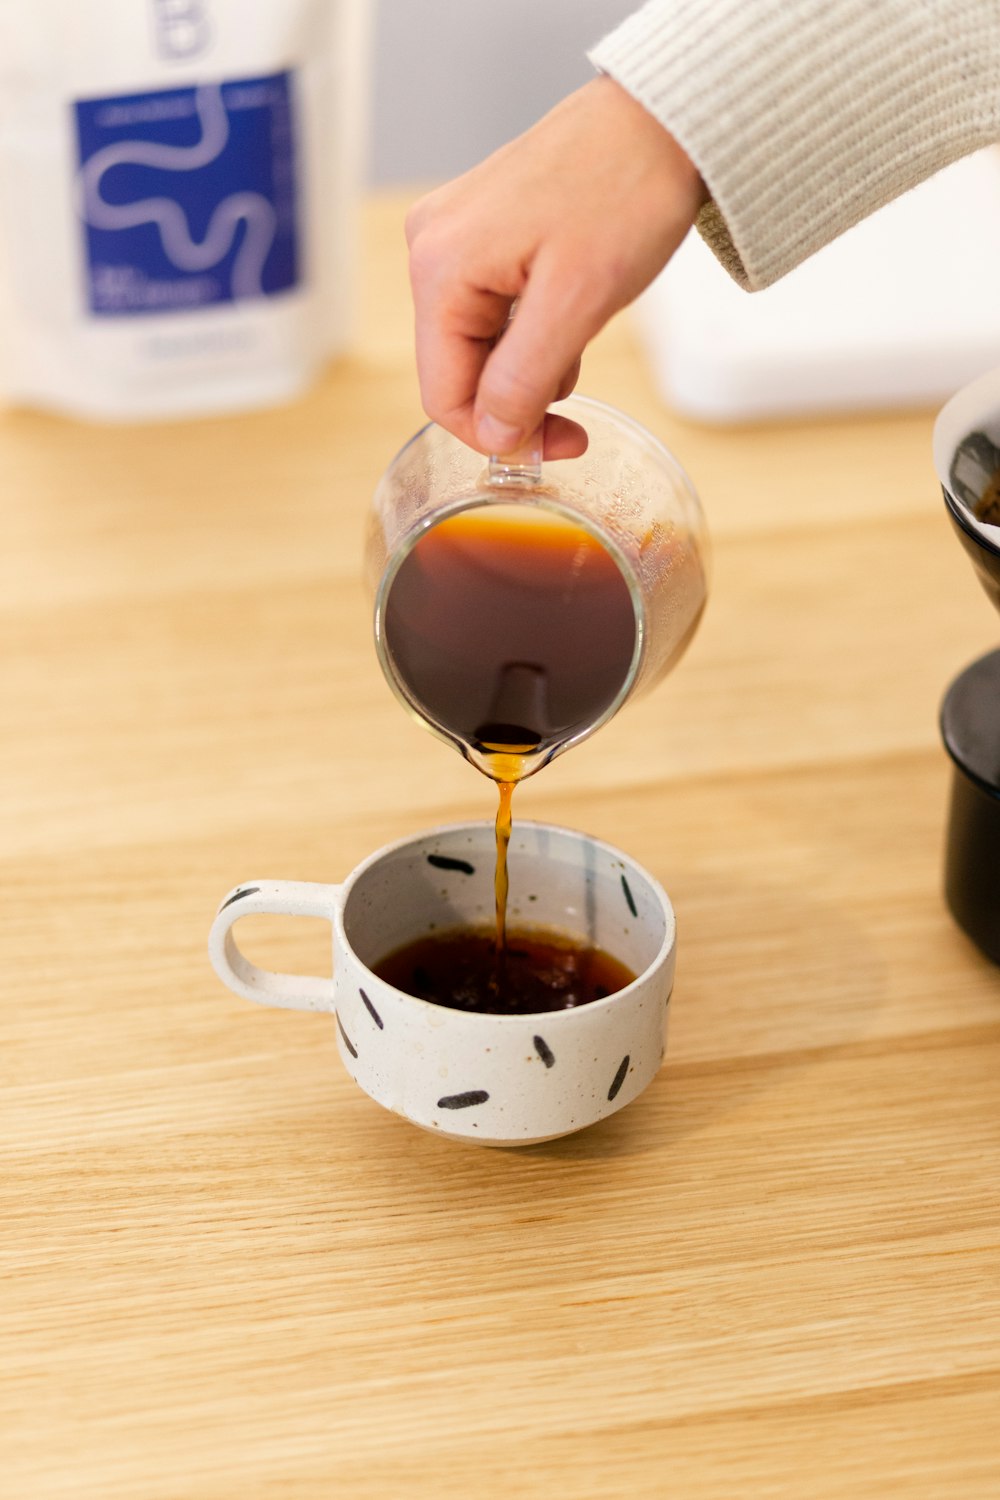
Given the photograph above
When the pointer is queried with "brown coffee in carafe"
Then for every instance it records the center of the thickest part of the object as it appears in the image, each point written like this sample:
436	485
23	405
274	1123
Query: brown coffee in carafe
513	634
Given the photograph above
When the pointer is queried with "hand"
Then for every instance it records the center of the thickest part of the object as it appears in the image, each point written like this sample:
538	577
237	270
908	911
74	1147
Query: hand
573	218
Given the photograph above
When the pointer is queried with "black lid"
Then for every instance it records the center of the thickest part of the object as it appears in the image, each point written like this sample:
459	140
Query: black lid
970	722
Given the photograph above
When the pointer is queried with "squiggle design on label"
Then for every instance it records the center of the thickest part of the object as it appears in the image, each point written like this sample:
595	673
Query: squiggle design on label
184	252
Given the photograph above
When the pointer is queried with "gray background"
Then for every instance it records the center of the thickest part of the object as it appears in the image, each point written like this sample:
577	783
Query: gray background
454	79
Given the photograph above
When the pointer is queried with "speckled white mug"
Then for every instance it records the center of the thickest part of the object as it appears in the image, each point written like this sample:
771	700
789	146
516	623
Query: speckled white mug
494	1079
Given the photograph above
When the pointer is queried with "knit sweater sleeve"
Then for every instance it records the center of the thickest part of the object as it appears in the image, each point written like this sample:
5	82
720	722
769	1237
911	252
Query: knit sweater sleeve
804	116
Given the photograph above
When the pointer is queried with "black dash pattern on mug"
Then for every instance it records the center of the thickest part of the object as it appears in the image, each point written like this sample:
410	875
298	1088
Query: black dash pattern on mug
369	1007
467	1100
629	897
347	1041
446	862
619	1077
250	890
544	1051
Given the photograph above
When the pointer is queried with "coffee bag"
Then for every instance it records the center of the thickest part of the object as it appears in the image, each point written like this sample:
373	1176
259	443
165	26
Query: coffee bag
178	186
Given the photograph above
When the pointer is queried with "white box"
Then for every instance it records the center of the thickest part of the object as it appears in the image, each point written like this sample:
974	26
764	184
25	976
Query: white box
902	310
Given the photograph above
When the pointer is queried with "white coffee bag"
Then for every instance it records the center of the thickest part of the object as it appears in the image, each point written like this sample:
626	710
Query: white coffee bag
178	190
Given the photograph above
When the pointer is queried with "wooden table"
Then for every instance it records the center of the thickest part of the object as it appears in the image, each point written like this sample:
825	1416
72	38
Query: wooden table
228	1275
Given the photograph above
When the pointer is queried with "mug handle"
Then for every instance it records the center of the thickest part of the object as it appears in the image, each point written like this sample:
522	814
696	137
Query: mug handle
292	898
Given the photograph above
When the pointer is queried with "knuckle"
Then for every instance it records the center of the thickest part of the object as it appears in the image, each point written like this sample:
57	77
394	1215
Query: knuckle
419	215
433	262
424	257
434	407
412	224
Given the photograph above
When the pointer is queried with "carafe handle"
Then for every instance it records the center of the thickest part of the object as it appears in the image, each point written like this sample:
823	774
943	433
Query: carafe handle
521	469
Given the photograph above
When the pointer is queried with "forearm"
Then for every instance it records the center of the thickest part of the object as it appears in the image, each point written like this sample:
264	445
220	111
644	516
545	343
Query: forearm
804	116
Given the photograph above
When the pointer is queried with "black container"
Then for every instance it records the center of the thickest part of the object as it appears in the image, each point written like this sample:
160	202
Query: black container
970	727
967	459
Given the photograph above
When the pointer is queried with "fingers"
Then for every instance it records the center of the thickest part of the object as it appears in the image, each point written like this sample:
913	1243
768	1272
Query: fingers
562	438
469	261
538	359
453	342
573	219
457	328
460	308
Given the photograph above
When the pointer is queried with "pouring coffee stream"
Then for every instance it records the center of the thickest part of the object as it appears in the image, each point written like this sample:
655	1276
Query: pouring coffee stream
478	593
518	704
509	740
515	610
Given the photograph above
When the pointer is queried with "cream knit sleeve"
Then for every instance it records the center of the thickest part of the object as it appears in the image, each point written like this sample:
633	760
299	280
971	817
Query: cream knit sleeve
803	116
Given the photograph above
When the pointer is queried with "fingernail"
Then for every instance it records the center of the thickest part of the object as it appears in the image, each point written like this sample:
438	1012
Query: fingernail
498	437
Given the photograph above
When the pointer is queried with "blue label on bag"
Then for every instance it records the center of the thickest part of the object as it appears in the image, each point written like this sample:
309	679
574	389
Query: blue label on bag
188	196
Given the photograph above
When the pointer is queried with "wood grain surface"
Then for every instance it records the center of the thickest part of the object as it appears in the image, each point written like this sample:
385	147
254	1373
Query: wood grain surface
226	1274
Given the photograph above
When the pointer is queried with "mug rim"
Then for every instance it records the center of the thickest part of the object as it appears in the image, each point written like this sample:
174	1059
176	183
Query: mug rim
478	1017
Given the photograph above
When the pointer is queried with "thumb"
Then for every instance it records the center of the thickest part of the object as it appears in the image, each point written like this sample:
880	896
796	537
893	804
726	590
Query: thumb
524	373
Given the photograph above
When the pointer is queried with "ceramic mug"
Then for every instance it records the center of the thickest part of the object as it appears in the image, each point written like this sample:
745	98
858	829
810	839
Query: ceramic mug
501	1080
